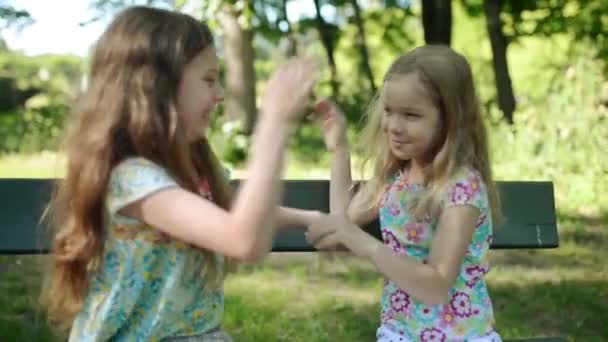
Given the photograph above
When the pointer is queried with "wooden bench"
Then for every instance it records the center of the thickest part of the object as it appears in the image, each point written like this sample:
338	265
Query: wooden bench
529	209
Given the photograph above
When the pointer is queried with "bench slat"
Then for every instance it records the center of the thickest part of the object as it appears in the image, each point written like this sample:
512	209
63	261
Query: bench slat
528	207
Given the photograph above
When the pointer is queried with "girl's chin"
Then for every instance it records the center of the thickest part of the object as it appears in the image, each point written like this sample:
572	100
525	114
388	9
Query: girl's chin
198	134
401	155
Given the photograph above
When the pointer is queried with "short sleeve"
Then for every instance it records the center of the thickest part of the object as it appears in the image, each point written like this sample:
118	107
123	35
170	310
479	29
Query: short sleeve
134	179
467	188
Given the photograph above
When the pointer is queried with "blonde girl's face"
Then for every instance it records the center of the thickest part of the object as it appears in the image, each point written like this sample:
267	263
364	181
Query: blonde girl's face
199	92
411	121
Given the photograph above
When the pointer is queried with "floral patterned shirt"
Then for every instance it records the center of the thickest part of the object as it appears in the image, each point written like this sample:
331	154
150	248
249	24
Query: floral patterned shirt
148	286
468	312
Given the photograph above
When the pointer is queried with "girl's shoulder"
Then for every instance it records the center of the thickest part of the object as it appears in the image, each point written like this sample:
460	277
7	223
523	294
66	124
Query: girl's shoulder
466	174
137	168
466	187
134	163
133	179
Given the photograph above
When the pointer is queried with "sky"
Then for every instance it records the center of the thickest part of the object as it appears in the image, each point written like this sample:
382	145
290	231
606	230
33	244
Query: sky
57	29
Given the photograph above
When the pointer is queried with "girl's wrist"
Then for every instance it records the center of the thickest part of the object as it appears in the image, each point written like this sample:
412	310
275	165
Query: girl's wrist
359	242
312	216
277	123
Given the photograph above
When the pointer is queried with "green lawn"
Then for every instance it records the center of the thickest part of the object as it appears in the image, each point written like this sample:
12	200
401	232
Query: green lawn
307	297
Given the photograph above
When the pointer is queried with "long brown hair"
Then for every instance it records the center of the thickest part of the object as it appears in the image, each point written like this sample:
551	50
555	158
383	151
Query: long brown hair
447	78
129	109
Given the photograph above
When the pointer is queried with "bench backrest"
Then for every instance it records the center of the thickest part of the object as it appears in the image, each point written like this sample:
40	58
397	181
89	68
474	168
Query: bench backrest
529	209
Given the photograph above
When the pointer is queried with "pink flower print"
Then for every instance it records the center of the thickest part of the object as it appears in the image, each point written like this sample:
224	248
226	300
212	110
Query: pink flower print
474	184
401	183
413	232
387	316
426	314
460	194
393	209
474	274
391	241
427	218
400	301
448	319
461	304
432	335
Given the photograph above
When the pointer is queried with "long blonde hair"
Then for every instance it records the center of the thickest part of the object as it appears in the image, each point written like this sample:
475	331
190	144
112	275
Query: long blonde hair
127	110
447	77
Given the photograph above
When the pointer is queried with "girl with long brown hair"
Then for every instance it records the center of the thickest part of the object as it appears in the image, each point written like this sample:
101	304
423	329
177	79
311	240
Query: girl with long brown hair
144	220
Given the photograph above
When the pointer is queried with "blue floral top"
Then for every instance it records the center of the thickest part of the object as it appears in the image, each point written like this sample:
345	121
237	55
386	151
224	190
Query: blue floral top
468	313
148	286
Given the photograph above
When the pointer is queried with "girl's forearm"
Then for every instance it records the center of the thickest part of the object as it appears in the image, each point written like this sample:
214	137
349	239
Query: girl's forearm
288	218
253	213
341	180
421	281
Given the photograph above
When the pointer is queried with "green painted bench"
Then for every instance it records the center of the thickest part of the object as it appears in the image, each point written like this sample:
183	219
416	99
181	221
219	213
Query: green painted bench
529	209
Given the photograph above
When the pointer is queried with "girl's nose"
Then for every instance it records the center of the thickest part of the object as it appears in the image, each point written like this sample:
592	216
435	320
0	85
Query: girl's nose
219	95
394	125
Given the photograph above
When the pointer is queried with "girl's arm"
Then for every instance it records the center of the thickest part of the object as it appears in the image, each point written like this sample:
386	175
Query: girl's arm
428	282
246	231
288	218
333	125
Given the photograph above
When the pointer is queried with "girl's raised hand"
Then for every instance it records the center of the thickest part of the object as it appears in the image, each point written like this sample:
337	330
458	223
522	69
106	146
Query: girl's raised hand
332	122
289	88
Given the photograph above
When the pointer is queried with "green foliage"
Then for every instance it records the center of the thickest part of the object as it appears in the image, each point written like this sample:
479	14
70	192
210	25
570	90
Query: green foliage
559	82
583	20
12	16
390	33
34	97
229	141
54	79
244	10
563	138
30	131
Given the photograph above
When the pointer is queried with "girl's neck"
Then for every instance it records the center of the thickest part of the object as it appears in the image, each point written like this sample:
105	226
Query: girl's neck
415	172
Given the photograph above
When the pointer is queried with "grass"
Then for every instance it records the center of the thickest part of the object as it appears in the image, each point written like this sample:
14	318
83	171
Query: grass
310	297
306	297
40	165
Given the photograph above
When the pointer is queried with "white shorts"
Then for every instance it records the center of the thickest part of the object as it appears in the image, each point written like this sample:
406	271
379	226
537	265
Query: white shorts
384	334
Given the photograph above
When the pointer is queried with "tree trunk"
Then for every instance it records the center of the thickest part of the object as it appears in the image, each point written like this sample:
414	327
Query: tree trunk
504	89
239	102
292	48
362	45
328	44
437	21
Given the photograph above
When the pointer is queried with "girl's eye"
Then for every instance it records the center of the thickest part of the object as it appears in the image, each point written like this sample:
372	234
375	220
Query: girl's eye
412	115
210	80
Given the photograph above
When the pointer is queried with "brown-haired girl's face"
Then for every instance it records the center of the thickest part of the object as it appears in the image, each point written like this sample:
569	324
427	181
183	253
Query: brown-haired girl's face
198	93
411	120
